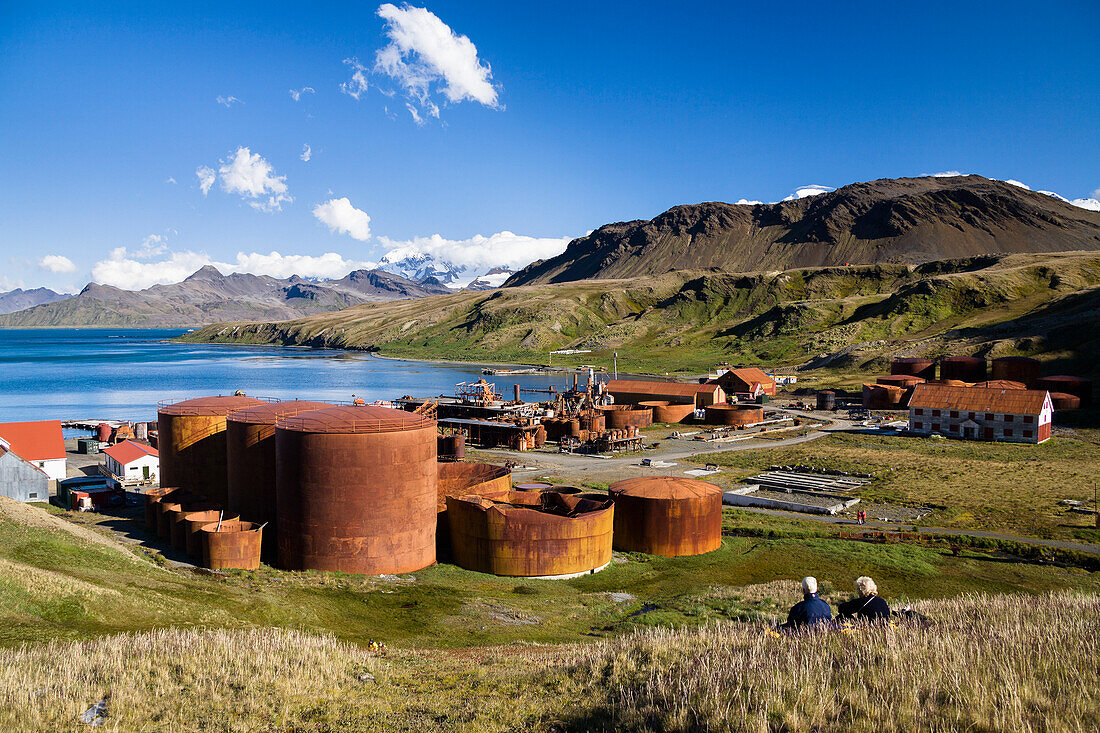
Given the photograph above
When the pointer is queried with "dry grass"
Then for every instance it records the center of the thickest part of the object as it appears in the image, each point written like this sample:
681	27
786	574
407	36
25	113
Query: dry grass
992	663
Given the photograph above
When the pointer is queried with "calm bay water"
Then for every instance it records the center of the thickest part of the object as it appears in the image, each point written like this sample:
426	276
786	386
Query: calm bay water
122	373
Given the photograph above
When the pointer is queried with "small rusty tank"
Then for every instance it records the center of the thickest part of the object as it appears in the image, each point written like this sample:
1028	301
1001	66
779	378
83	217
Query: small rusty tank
915	366
1064	401
356	490
1068	384
192	443
882	396
734	415
451	447
177	525
667	515
668	412
194	521
152	497
1017	369
531	534
620	417
826	400
232	545
964	368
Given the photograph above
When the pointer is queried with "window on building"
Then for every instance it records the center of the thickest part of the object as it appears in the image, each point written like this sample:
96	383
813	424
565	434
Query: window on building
989	416
972	416
1029	418
919	411
954	428
954	413
918	426
935	427
33	495
1008	418
935	413
1008	432
1027	433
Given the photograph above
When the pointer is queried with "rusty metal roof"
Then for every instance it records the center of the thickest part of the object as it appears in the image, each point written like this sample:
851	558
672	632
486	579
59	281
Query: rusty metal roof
214	406
664	487
638	386
269	412
979	399
355	419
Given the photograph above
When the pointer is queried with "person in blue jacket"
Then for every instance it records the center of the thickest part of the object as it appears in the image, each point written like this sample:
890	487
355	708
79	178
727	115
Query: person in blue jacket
810	611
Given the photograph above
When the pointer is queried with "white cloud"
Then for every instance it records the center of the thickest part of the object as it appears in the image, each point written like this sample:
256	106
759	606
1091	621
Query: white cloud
357	85
296	94
124	270
57	264
340	216
425	56
478	253
252	177
152	246
307	153
170	180
415	115
807	191
228	101
206	178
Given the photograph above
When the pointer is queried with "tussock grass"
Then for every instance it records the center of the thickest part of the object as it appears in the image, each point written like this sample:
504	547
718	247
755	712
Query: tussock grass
992	663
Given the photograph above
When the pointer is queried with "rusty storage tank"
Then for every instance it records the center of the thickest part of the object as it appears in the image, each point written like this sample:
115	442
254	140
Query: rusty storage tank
167	506
533	486
103	432
1064	401
177	527
964	368
192	522
460	479
954	383
826	400
620	417
531	534
734	415
1067	384
667	515
1001	384
192	443
451	447
152	497
668	412
356	490
1017	369
914	366
882	396
250	458
232	545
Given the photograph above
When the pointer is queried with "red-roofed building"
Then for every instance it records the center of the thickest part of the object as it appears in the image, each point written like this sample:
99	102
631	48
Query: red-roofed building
747	380
633	391
39	443
981	413
132	463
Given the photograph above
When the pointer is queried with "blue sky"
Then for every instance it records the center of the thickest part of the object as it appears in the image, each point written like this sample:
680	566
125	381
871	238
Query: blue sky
553	118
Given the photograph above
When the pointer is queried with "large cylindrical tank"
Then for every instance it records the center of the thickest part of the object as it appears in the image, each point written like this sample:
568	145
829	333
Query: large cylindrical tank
192	443
963	368
915	366
1067	384
356	490
618	417
250	458
826	400
232	545
667	515
883	396
1017	369
668	412
734	415
531	534
459	479
451	447
1064	401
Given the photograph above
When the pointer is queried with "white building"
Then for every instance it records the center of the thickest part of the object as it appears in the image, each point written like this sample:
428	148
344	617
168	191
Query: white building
39	443
133	463
981	413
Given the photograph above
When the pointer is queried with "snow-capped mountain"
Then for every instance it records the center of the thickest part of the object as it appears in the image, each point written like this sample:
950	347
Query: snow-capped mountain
421	267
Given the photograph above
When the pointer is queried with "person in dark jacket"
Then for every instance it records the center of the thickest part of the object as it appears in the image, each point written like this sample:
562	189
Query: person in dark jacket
811	610
866	606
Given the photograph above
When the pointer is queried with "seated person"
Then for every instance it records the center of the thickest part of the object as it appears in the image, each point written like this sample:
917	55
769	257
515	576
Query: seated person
811	610
867	605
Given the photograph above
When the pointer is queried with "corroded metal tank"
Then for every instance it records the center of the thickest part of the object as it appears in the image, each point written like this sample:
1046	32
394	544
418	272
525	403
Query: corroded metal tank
963	368
192	443
167	506
733	415
667	515
1064	401
1017	369
152	497
531	534
533	486
915	366
618	417
460	479
356	490
826	400
1067	384
232	545
250	459
192	522
667	412
883	396
177	526
451	447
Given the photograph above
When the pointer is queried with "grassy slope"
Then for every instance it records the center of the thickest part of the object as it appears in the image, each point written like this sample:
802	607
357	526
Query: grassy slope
977	486
993	663
684	321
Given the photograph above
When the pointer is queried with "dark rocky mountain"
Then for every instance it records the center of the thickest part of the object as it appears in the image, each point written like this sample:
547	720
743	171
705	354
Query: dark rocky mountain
208	296
19	299
904	220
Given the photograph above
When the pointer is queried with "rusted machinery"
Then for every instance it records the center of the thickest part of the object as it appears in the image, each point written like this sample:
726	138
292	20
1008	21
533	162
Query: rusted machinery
667	412
542	534
963	368
356	490
1067	384
734	415
619	417
460	479
192	443
1017	369
915	366
250	458
666	515
232	545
